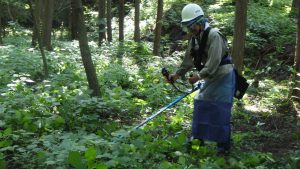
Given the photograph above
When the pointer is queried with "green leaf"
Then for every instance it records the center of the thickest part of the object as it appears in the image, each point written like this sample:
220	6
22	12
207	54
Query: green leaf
90	154
2	163
59	120
2	109
120	133
5	143
7	132
165	165
182	161
220	161
50	162
182	138
75	160
101	166
41	155
112	163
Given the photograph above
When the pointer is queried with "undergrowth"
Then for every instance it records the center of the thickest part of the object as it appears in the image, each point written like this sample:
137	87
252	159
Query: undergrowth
54	123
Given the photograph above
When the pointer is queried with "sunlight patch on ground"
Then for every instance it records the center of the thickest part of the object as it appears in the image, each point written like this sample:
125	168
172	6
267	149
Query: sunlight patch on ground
256	109
287	9
214	7
7	47
271	85
128	25
297	108
93	43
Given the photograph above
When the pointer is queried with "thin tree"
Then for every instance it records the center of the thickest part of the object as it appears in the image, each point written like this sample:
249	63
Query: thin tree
293	8
158	27
1	23
137	34
72	23
84	48
239	35
36	12
121	20
48	8
36	27
296	90
9	11
1	41
294	3
108	21
101	17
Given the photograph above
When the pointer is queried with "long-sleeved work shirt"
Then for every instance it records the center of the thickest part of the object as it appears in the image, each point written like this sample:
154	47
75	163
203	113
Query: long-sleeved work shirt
216	47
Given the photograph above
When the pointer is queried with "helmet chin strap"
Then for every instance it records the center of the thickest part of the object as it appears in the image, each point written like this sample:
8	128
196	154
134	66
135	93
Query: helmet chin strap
202	28
201	22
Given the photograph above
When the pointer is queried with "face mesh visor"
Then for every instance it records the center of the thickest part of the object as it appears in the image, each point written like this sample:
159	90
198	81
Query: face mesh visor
187	26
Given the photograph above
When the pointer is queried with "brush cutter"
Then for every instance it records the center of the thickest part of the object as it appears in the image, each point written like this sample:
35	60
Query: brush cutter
165	73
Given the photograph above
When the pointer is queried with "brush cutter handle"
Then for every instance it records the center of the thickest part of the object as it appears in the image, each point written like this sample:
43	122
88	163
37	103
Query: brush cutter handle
171	79
166	73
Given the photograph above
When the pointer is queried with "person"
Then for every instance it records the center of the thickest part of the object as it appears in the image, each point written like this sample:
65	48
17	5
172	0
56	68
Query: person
213	102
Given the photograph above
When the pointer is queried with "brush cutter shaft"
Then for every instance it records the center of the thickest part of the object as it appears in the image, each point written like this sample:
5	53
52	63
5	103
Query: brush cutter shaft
166	107
161	110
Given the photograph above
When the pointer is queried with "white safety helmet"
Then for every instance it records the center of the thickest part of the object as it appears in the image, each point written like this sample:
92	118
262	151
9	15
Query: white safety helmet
190	12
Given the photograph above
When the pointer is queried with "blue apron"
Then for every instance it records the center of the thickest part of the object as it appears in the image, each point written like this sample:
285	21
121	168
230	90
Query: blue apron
212	110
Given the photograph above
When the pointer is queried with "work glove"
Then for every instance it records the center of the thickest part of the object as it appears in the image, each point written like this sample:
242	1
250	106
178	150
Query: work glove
172	78
194	78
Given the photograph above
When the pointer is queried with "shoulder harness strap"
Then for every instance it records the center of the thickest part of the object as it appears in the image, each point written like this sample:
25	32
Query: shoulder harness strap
197	54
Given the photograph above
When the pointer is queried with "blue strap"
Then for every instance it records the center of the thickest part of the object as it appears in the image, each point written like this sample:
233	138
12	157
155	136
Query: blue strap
226	59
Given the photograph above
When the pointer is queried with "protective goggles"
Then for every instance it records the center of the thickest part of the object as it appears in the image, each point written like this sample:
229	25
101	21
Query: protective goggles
188	26
187	29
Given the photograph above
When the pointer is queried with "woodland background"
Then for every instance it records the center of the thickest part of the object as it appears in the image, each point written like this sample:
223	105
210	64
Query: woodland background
76	75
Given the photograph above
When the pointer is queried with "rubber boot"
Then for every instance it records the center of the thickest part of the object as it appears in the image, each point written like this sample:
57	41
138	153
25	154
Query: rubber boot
223	148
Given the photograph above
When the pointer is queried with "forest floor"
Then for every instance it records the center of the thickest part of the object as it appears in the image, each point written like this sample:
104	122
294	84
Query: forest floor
265	122
277	133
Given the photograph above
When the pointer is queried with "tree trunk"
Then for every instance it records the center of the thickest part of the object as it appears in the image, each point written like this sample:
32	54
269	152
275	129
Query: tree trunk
121	20
84	48
1	41
72	23
294	8
47	26
9	12
108	19
39	15
294	3
101	21
137	34
34	36
158	26
296	90
36	27
37	21
239	34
